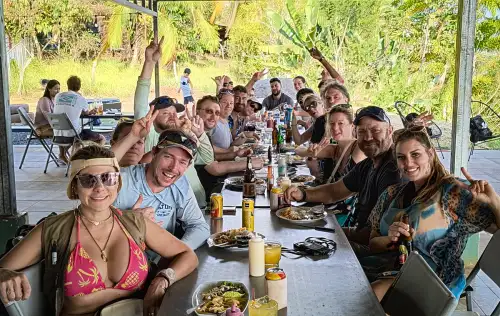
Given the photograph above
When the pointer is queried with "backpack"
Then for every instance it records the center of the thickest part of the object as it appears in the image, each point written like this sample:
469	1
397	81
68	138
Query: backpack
479	130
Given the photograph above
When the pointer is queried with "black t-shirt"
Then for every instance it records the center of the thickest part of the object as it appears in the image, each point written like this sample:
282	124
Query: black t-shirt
370	182
270	103
318	130
210	183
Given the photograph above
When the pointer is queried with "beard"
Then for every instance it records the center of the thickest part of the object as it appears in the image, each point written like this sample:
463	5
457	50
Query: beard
163	126
276	93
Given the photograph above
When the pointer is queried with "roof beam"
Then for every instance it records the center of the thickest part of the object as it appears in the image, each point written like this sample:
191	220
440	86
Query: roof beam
136	7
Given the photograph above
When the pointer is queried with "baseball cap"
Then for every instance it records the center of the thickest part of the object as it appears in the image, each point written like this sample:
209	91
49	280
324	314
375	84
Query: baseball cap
187	71
255	104
178	138
165	102
372	111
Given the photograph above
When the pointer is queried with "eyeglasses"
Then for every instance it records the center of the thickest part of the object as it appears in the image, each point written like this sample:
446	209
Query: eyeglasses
225	84
211	112
312	105
177	138
88	181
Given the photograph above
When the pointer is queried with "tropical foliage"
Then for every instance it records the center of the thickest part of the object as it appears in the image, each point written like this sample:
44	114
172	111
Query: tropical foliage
387	50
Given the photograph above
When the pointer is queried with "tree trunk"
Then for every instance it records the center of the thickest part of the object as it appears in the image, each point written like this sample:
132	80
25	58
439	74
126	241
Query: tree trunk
36	44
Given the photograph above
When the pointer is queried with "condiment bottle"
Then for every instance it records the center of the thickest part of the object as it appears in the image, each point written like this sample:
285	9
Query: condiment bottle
256	256
233	311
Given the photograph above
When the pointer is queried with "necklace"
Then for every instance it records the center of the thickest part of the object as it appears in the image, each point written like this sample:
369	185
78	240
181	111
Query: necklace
95	223
103	254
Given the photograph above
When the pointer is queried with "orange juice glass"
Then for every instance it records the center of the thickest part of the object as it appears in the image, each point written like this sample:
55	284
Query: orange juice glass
272	251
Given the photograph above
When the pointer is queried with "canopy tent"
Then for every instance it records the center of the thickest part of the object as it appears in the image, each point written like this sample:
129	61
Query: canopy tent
461	105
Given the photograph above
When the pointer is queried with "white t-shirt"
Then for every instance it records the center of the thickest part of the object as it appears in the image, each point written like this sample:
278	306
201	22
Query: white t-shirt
72	104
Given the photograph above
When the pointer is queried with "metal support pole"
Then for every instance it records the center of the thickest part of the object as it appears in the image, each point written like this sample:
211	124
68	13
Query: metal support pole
464	61
157	65
10	220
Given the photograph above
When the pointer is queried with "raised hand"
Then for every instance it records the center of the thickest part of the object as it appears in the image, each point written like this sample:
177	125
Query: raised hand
153	50
142	126
424	119
481	190
197	126
315	53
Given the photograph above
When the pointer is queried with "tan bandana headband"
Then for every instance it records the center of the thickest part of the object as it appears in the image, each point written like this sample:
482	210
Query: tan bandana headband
79	165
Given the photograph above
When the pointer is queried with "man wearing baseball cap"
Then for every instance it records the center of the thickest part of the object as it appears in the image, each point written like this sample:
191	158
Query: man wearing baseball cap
161	184
277	98
169	109
368	178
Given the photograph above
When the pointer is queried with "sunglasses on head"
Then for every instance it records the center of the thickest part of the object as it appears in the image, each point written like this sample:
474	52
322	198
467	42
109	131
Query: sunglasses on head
164	101
88	181
174	137
413	130
225	84
225	91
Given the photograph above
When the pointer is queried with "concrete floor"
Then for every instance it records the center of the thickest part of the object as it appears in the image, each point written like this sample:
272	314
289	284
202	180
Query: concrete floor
40	194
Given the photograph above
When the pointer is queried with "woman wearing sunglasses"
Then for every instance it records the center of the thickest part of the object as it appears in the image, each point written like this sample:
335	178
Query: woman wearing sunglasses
443	212
94	255
341	157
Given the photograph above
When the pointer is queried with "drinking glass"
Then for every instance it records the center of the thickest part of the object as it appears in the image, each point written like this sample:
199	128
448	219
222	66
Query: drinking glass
263	306
272	254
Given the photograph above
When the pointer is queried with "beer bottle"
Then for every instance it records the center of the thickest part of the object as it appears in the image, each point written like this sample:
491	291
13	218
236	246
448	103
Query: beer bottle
270	178
249	181
280	141
288	135
269	155
404	244
275	134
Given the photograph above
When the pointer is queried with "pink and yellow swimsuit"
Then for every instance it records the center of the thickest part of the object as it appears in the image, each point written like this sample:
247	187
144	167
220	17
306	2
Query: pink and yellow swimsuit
82	276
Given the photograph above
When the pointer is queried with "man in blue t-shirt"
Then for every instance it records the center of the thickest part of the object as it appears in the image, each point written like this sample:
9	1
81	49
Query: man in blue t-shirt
161	185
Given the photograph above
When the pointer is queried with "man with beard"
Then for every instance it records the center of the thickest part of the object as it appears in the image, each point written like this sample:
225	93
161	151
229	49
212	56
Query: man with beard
161	184
208	110
277	98
369	178
167	118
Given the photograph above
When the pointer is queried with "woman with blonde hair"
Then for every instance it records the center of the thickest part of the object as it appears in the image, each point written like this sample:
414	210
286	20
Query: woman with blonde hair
443	213
95	254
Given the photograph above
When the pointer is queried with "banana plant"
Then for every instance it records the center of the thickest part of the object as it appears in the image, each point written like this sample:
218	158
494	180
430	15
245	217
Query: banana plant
302	31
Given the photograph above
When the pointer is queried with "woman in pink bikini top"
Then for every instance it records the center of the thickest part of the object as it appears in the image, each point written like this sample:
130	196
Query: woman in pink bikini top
105	262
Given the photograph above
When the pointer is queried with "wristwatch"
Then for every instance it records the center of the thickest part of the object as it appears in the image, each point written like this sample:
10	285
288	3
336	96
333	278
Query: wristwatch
168	274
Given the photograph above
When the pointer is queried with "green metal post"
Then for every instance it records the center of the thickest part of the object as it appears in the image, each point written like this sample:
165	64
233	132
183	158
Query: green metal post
10	220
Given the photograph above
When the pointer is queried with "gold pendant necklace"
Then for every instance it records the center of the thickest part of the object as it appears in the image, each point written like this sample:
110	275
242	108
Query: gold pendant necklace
95	223
103	254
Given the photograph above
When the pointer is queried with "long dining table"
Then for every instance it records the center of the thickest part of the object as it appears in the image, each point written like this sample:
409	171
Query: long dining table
333	285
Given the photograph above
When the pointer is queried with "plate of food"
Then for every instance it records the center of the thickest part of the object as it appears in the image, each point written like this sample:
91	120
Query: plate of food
214	298
302	214
303	178
287	148
238	237
296	160
236	183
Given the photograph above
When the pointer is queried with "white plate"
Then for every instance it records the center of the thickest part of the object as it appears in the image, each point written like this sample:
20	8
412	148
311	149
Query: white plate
320	210
197	296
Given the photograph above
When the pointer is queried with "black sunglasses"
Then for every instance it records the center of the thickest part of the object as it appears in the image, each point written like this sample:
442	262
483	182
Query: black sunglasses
108	179
311	105
175	137
225	84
